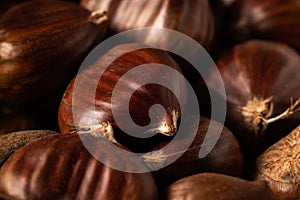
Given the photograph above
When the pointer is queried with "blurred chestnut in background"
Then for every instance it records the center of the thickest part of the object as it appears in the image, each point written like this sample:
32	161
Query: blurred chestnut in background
261	79
212	186
193	18
60	167
42	44
225	157
268	19
279	166
87	103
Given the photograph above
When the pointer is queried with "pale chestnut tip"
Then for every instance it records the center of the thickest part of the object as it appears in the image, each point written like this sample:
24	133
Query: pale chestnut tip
98	17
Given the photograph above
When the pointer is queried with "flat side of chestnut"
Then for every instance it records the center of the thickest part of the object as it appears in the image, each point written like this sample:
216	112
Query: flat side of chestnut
193	18
120	61
42	41
211	186
59	167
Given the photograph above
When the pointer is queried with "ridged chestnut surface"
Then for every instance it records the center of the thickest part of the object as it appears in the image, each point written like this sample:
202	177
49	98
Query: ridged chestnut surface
193	18
11	142
211	186
272	20
279	166
261	79
81	112
225	157
60	167
42	44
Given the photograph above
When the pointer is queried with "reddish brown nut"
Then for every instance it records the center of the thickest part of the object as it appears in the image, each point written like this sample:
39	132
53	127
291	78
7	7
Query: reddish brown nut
60	167
225	157
271	20
42	44
211	186
80	112
193	18
262	86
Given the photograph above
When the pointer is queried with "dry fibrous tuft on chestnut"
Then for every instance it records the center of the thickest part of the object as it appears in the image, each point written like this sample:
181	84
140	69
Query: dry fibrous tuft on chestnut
42	44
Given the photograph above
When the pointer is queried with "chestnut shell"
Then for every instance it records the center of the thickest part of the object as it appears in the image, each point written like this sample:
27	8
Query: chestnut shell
260	78
279	166
85	110
225	157
265	19
193	18
60	167
211	186
42	44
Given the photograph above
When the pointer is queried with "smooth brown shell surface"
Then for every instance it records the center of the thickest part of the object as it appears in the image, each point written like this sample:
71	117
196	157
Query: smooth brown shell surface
60	167
225	157
79	108
272	20
260	78
279	166
42	44
193	18
211	186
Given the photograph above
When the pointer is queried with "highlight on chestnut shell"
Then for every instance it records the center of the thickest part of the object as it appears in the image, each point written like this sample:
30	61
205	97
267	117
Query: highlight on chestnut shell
193	18
43	41
60	167
96	115
262	86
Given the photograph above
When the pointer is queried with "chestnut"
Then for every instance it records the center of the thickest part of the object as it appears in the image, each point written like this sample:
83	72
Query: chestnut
225	157
11	142
87	105
212	186
60	167
193	18
261	79
265	19
42	44
279	166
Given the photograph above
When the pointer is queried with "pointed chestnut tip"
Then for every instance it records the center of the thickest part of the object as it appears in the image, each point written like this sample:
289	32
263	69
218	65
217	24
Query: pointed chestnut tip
98	17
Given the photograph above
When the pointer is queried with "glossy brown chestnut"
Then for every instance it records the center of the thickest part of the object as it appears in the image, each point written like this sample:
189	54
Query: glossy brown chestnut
211	186
60	167
260	79
193	18
11	142
79	112
42	44
279	166
225	157
272	20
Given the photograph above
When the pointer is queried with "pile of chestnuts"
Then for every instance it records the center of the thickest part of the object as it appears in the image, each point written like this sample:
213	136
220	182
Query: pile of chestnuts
65	131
